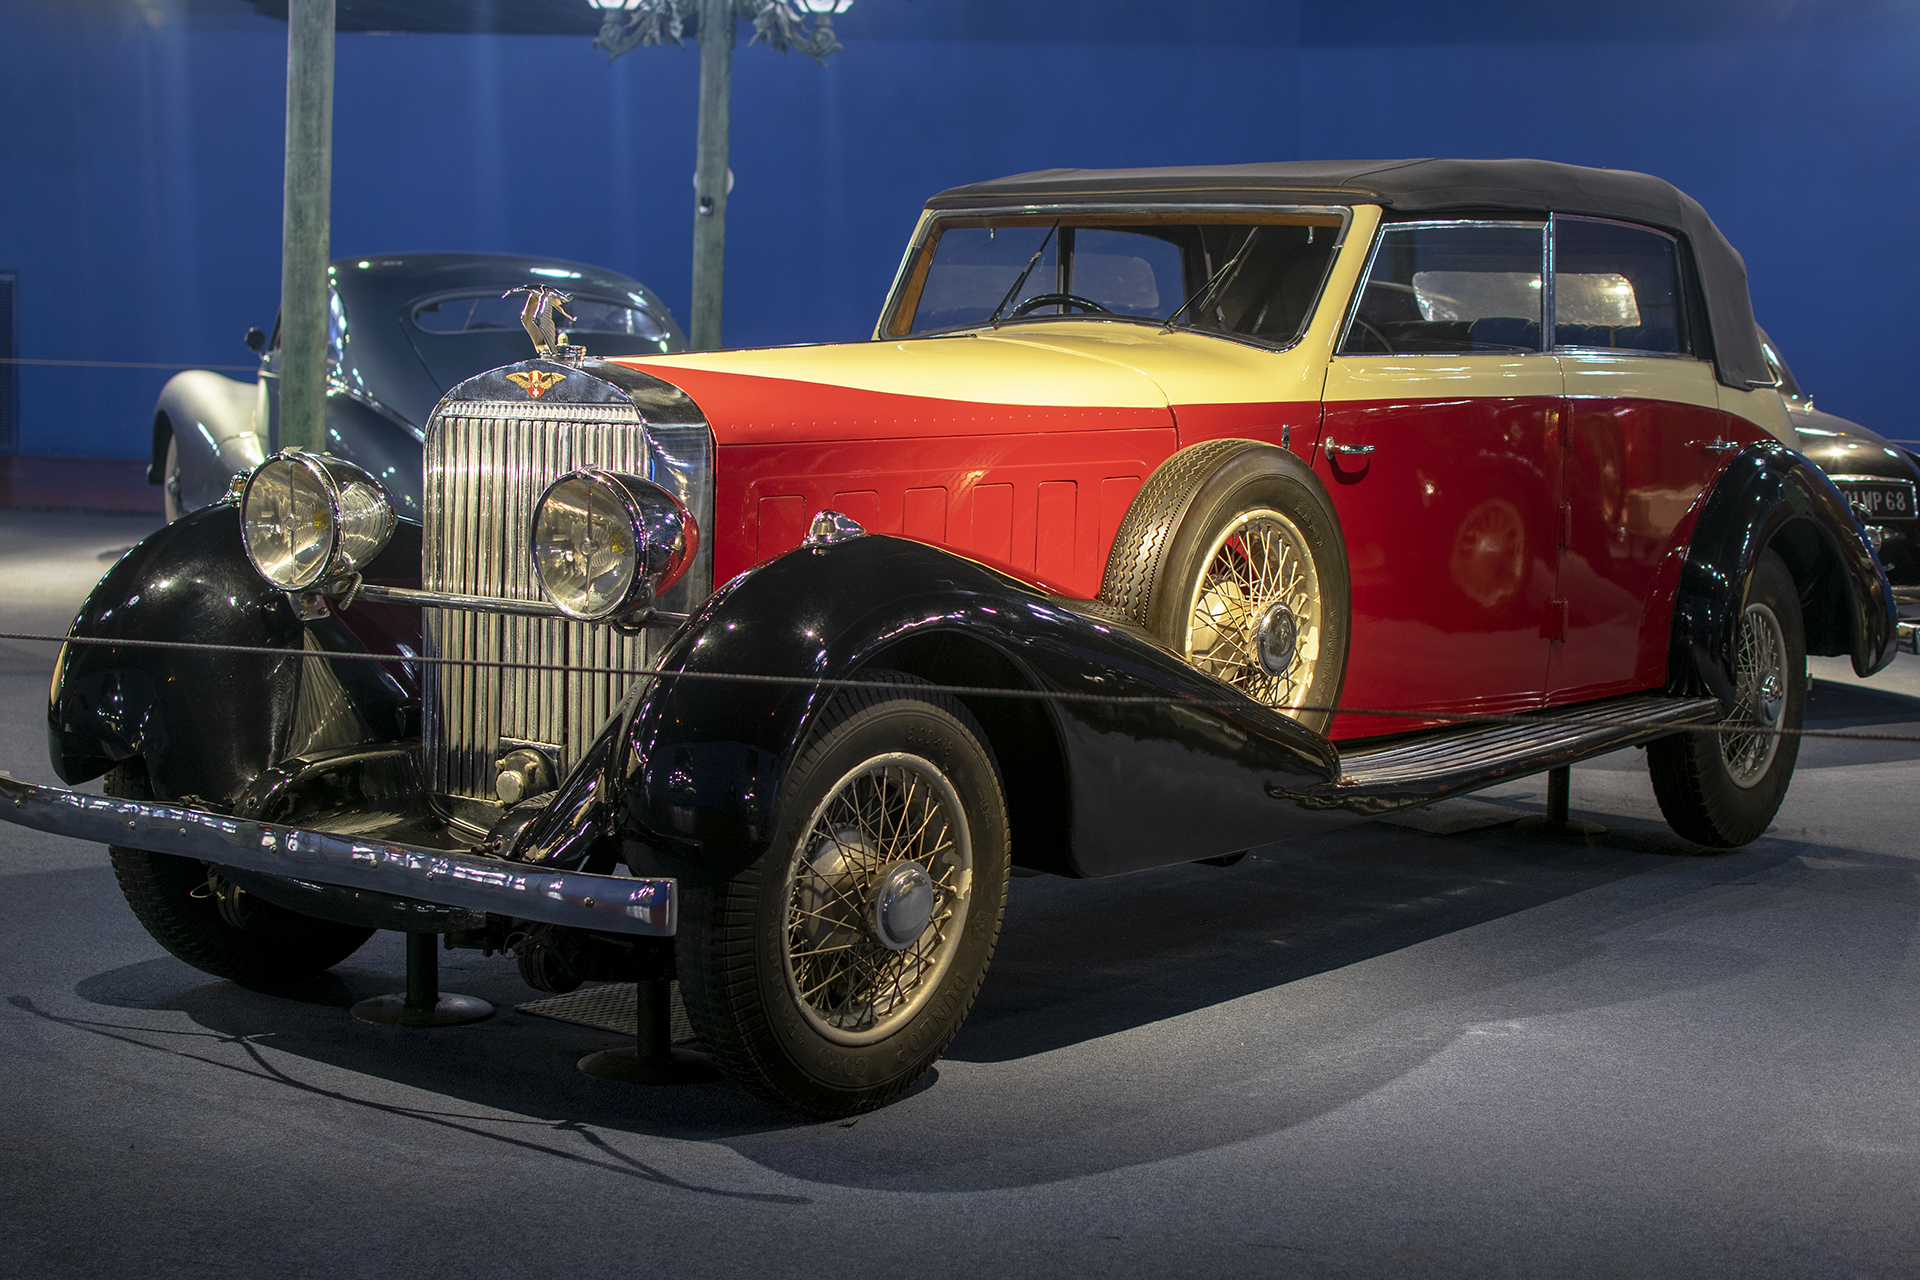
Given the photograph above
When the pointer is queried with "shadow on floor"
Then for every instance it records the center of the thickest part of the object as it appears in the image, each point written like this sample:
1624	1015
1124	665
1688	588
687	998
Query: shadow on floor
1079	964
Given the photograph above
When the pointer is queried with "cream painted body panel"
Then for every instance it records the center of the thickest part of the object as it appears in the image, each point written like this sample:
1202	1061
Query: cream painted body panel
1764	408
1383	377
1622	375
971	367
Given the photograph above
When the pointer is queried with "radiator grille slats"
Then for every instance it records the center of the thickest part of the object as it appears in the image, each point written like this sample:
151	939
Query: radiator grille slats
486	465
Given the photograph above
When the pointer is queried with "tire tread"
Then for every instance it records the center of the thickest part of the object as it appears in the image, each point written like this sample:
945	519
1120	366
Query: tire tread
719	982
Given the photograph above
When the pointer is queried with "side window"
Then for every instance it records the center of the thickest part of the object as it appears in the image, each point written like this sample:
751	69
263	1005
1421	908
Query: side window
1447	288
1617	287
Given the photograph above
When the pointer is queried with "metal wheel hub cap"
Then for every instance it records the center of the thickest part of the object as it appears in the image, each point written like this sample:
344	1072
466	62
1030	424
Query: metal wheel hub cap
903	906
1276	638
1773	699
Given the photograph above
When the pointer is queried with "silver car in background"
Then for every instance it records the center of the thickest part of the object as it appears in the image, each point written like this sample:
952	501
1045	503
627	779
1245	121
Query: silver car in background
403	330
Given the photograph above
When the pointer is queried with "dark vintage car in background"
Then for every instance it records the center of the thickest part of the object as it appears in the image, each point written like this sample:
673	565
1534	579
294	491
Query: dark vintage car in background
403	330
1880	477
1163	507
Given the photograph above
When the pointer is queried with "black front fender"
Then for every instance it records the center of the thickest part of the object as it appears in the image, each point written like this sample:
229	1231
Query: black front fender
208	724
1145	785
1772	497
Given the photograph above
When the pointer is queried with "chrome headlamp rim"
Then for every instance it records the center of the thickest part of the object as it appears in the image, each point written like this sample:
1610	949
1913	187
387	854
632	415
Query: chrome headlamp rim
332	476
656	563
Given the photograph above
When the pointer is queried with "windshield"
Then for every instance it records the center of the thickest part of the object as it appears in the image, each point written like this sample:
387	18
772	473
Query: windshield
489	313
1131	266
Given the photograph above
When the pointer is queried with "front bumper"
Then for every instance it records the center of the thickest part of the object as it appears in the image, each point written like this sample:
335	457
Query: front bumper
575	899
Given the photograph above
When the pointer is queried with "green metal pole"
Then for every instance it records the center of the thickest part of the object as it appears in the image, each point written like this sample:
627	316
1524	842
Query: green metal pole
304	234
710	173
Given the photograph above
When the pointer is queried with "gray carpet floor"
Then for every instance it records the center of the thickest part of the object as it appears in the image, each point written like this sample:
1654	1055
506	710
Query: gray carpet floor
1426	1048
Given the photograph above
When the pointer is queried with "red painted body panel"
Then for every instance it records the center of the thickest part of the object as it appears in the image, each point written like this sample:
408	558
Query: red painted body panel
1039	506
1505	552
1450	528
1635	474
1295	424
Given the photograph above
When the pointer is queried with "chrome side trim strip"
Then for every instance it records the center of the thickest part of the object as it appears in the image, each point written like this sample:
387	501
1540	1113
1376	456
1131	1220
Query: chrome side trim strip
576	899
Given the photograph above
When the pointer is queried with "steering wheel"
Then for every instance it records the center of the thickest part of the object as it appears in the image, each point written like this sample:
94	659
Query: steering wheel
1378	336
1039	300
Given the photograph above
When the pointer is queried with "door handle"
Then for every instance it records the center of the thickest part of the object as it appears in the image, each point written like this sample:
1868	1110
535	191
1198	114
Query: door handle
1717	445
1347	449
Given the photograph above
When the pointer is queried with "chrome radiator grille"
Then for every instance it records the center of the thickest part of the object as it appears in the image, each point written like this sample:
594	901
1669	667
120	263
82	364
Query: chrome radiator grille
486	465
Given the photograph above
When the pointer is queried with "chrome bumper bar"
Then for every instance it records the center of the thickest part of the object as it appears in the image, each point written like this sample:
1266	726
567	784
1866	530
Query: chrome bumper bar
607	904
494	604
1907	636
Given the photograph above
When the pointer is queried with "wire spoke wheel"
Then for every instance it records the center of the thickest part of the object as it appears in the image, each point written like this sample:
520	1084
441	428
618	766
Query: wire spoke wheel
878	889
1255	620
1722	789
1760	685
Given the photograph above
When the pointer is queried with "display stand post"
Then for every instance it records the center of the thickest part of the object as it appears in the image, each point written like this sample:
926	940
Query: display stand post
653	1059
423	1004
1557	822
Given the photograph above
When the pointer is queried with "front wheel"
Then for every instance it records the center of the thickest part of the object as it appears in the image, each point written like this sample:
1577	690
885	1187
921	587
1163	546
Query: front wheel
831	973
1722	789
217	927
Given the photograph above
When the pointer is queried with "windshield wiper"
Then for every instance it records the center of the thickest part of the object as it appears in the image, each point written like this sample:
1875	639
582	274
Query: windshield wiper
1220	278
1032	262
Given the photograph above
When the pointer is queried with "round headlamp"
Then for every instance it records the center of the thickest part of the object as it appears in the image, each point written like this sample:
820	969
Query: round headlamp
309	519
605	544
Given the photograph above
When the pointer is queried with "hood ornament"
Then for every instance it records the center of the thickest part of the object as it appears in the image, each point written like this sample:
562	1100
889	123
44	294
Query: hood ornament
536	317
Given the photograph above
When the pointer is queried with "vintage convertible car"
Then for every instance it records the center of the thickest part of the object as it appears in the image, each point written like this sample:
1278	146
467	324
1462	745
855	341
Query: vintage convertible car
1878	476
1164	507
404	329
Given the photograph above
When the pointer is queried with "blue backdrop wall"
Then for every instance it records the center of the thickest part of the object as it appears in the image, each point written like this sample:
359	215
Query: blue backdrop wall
141	146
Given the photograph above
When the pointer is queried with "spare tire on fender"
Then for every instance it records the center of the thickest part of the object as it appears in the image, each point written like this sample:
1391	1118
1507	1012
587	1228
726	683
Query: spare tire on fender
1232	555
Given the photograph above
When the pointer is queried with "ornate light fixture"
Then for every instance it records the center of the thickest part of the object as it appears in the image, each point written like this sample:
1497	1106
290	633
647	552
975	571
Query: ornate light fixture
630	24
782	24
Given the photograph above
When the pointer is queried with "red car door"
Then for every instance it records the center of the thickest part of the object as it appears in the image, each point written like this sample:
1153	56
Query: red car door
1439	447
1645	440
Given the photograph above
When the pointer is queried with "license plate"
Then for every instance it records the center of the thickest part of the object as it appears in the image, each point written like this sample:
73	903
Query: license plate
1878	500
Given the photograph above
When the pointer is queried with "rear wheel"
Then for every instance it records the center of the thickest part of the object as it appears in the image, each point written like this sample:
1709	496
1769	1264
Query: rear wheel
830	974
214	926
1722	789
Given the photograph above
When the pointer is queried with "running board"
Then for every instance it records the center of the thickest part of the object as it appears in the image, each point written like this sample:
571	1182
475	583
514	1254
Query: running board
1422	768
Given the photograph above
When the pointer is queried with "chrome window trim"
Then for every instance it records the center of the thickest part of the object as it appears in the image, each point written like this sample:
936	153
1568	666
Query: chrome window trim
931	221
1366	274
1630	353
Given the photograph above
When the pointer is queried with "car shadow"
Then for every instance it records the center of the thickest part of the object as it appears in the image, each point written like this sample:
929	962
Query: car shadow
1085	971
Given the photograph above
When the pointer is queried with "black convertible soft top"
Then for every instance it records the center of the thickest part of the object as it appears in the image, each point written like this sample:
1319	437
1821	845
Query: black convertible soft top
1422	186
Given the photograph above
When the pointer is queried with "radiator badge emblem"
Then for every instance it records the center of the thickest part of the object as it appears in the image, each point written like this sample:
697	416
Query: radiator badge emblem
537	382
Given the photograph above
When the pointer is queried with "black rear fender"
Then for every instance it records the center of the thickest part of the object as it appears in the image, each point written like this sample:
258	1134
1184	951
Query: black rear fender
1770	497
1134	786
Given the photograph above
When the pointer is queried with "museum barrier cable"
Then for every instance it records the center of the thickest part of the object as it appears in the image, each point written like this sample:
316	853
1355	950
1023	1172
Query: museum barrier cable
131	364
958	690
